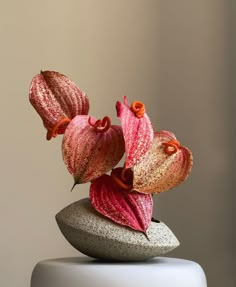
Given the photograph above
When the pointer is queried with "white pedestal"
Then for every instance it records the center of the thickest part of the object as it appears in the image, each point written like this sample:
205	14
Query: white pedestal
88	272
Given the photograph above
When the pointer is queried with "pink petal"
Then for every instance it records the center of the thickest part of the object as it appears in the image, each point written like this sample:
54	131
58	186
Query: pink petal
89	154
129	209
138	133
160	171
54	97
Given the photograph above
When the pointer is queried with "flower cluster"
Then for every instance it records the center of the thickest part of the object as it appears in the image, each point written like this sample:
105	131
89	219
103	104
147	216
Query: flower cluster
91	148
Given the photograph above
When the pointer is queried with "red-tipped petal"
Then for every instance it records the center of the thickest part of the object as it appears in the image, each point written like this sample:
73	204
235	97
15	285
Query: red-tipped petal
165	166
129	209
89	153
138	133
55	97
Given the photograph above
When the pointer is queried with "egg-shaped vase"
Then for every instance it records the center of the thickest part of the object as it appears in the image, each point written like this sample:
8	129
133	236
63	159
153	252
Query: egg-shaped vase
99	237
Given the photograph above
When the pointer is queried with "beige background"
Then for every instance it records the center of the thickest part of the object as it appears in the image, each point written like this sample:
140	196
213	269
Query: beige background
178	57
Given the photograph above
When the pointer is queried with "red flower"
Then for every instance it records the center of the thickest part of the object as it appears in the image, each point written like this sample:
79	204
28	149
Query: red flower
129	209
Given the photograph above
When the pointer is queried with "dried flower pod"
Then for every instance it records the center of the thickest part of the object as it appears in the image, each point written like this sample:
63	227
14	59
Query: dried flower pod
57	100
128	209
91	147
165	165
137	129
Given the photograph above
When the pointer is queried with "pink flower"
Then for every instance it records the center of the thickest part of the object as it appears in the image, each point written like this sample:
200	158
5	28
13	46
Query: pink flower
57	100
91	147
165	165
158	161
129	209
137	129
154	162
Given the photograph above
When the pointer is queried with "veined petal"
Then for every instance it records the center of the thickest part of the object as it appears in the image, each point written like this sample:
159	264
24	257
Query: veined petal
89	153
129	209
165	165
138	133
55	97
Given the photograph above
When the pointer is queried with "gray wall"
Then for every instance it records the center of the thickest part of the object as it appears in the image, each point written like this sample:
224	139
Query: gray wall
174	55
232	109
195	59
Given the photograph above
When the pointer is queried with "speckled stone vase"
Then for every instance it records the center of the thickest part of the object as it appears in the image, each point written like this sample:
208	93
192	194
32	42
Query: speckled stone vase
99	237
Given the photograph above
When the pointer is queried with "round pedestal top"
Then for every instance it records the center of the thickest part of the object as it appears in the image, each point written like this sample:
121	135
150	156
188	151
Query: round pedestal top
87	272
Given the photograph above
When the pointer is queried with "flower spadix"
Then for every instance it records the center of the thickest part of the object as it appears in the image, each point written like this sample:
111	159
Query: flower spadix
128	209
137	129
91	147
57	100
165	165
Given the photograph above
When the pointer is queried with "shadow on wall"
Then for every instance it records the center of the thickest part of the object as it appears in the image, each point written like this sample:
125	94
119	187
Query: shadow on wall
197	69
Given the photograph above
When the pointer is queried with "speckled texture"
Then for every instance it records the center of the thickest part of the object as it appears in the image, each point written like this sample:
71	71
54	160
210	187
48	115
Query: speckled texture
160	171
54	96
87	153
99	237
130	209
138	133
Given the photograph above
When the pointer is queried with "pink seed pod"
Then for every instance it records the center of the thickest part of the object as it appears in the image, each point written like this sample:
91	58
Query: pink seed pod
165	165
91	147
129	209
137	129
57	100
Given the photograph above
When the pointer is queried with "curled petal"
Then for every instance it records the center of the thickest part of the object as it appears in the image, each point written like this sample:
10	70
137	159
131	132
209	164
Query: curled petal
129	209
137	129
165	166
55	97
123	177
59	128
88	152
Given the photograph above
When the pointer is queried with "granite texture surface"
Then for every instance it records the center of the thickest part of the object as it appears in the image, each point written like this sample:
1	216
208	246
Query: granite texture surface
99	237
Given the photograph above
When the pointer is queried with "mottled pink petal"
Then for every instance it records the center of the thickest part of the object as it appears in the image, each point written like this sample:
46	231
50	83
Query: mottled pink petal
165	166
138	133
55	97
129	209
88	153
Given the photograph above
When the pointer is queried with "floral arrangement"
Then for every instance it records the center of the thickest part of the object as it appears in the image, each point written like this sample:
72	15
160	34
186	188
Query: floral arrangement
91	148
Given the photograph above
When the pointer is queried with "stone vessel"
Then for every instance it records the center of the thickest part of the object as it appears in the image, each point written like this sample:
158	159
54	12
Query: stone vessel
97	236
